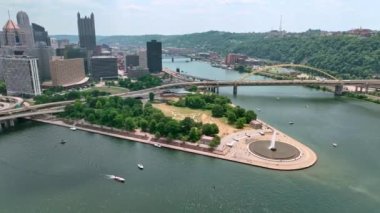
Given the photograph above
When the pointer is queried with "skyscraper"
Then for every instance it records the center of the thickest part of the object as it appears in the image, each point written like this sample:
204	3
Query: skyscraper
40	35
104	67
24	25
86	31
154	56
20	74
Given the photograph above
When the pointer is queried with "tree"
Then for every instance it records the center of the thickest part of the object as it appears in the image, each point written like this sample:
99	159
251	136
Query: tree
3	89
215	142
250	115
129	124
240	123
172	127
152	126
210	129
231	116
217	111
193	89
195	134
186	124
151	96
144	125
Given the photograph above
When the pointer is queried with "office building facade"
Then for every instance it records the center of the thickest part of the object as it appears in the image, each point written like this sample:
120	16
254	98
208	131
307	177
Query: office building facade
40	34
86	31
104	67
131	61
143	62
67	72
24	25
20	74
154	56
12	35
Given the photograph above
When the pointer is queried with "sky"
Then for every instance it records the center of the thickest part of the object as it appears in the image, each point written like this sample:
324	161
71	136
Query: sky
168	17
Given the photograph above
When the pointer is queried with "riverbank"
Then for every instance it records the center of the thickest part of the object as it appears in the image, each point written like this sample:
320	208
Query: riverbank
306	160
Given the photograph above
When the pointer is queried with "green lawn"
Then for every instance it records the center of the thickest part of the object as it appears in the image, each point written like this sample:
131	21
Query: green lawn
110	89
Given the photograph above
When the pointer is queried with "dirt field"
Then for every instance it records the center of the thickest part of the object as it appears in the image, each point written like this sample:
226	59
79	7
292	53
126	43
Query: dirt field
180	113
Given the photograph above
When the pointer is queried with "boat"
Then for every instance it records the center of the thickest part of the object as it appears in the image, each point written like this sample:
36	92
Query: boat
63	141
157	145
140	166
258	109
117	178
334	144
73	128
262	133
291	122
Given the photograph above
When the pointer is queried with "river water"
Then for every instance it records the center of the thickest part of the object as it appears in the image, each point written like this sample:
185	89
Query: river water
37	174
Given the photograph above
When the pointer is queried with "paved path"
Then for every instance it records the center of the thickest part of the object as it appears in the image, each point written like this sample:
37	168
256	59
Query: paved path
288	166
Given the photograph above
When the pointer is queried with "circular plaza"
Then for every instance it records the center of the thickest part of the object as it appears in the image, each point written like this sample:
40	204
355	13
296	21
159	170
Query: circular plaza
267	148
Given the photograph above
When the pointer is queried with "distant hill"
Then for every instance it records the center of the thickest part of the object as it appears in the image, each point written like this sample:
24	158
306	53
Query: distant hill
344	54
74	38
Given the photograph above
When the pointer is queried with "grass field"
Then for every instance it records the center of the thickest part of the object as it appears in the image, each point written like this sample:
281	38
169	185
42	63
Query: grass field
203	116
110	89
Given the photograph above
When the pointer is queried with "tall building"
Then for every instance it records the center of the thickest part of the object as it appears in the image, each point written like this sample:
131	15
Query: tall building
131	61
12	35
44	54
104	67
24	25
154	56
143	62
40	34
67	72
86	31
20	74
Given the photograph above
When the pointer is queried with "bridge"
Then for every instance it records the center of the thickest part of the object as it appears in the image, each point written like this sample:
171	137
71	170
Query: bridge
183	76
338	84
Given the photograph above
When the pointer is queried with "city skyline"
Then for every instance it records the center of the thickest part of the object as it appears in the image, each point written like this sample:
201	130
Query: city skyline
180	17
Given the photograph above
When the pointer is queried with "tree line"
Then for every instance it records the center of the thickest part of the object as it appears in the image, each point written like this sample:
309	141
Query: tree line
220	107
131	114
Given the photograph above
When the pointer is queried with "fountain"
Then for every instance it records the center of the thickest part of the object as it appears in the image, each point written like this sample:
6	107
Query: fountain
272	145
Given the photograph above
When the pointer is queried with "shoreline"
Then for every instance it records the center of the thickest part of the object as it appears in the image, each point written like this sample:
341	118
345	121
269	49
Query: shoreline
147	138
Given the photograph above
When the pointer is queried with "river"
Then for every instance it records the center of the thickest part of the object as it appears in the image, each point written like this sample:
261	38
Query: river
37	174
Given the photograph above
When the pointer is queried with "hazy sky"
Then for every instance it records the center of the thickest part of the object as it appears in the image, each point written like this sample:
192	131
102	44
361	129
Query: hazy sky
136	17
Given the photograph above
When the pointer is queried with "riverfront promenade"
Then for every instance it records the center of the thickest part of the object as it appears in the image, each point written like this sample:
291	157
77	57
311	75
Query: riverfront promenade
307	159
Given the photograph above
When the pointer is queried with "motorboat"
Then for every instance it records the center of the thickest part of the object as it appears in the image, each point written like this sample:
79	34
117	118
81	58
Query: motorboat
63	141
157	145
73	128
117	178
291	122
334	144
140	166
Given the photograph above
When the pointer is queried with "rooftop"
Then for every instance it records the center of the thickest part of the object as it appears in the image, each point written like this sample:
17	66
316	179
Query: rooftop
10	25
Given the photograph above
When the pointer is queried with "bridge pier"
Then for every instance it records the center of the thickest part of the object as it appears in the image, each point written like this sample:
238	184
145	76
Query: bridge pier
338	90
217	90
356	88
235	89
366	88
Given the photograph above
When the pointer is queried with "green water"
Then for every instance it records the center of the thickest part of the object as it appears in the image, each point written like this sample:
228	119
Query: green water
37	174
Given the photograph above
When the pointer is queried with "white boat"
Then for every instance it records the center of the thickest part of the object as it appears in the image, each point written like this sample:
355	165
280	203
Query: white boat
116	178
140	166
157	145
73	128
334	144
291	122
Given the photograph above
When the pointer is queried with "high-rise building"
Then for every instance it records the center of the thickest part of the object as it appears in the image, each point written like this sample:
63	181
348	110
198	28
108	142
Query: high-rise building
44	54
86	31
12	35
20	74
24	25
131	61
154	56
104	67
143	62
67	72
40	34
